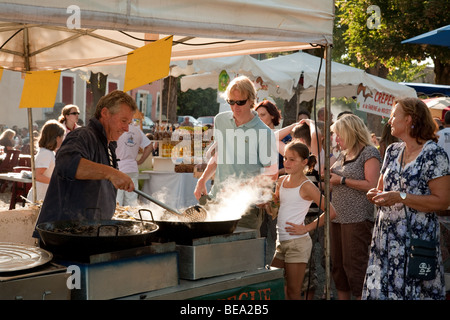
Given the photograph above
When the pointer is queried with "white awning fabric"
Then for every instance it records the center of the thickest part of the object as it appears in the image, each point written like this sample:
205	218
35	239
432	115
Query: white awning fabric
281	75
201	29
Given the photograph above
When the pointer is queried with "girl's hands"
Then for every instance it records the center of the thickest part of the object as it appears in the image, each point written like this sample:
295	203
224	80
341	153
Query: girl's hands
295	229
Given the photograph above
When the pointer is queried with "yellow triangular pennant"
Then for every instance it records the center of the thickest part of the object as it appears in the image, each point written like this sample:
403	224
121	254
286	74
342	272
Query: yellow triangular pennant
39	89
148	63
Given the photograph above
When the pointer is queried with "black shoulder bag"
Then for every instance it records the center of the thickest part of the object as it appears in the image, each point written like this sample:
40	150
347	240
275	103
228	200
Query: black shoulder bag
421	254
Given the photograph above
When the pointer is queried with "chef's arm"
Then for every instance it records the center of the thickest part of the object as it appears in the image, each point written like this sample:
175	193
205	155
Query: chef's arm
89	170
200	188
210	168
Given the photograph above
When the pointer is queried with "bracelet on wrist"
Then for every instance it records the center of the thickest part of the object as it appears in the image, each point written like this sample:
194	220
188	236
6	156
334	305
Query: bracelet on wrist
343	181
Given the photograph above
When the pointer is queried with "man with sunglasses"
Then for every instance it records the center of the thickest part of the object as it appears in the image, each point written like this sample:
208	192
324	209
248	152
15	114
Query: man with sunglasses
245	148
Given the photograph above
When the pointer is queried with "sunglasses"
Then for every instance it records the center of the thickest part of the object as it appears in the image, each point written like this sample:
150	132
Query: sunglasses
75	113
238	102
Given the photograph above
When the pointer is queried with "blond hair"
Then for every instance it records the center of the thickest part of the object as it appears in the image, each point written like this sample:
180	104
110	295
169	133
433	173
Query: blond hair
245	87
9	133
353	132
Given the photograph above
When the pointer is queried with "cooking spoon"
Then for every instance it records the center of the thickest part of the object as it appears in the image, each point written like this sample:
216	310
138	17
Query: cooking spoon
191	214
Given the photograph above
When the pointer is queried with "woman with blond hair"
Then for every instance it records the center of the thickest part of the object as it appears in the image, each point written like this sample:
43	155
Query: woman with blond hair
7	139
50	140
355	172
69	118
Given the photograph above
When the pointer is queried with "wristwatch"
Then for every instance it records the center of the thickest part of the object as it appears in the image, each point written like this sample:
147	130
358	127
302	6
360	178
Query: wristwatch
403	195
343	181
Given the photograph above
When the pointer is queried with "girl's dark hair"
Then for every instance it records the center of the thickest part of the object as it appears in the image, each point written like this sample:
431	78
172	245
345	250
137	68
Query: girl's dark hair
305	112
302	131
302	150
49	132
272	110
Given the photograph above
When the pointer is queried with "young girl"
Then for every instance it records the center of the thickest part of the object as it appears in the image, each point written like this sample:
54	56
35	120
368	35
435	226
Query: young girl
296	193
50	140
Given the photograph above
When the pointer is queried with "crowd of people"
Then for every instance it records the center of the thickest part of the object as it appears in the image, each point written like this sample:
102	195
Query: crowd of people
49	138
384	192
16	138
375	194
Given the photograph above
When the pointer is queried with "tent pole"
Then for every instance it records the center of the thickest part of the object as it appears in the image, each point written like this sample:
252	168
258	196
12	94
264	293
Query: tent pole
160	104
327	168
30	115
168	97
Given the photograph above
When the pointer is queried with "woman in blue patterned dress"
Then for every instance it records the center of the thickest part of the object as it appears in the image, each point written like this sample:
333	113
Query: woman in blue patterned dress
421	182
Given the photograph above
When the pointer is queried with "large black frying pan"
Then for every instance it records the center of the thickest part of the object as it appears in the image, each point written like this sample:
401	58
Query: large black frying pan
76	239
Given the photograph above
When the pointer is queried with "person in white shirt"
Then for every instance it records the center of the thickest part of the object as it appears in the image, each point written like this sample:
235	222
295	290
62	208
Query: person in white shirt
444	135
127	152
50	140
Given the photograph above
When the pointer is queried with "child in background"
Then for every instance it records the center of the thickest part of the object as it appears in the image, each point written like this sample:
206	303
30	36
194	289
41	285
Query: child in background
296	193
52	135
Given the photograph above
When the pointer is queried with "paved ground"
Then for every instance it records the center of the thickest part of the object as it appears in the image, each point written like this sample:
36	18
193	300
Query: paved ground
5	197
321	276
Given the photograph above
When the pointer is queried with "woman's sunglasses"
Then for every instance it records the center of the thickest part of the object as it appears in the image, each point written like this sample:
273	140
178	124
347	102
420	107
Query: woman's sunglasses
238	102
74	113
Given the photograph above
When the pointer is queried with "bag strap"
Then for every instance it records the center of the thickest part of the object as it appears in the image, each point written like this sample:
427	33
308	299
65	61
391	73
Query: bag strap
408	222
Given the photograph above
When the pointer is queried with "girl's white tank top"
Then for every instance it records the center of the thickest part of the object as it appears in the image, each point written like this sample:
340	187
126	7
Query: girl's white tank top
293	208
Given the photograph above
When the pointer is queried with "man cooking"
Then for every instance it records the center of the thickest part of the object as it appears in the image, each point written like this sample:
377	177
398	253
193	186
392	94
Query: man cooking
85	180
246	147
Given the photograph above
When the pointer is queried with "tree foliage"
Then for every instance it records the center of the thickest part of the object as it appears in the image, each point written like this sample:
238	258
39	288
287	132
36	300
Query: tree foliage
197	103
377	47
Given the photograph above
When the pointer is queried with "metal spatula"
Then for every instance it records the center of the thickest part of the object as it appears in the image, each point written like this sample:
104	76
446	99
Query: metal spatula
192	214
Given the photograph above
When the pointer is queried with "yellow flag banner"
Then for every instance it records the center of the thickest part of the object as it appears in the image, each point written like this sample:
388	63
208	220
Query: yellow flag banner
39	89
148	63
1	73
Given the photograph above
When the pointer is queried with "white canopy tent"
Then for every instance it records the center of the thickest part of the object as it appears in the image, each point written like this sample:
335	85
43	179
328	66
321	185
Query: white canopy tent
345	80
107	31
282	74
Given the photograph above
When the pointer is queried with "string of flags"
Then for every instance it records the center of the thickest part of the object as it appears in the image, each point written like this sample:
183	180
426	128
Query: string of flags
144	65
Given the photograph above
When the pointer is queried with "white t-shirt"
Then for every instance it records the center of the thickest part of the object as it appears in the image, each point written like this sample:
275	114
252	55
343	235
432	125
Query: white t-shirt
293	208
44	159
128	148
444	140
67	130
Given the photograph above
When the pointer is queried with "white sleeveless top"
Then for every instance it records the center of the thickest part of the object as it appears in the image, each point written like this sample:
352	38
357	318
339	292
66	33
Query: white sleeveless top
293	208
